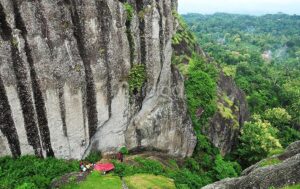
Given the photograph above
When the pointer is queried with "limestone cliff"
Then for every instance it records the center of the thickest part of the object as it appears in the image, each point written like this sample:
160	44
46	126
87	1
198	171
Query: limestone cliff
64	74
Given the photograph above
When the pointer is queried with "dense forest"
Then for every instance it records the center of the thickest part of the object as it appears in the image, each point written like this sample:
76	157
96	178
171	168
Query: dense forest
262	54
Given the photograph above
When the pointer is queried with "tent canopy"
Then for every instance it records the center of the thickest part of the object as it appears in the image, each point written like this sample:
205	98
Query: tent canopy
104	167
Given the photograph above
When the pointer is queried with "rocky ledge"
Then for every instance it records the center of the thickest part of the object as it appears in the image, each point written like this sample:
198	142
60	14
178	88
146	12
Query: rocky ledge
283	171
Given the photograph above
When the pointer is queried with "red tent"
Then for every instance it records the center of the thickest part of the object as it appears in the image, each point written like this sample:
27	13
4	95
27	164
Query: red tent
104	167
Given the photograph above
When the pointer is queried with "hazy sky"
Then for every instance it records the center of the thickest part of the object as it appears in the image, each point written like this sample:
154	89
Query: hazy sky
239	6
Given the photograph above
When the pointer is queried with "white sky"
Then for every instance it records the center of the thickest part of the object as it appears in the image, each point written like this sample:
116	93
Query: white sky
239	6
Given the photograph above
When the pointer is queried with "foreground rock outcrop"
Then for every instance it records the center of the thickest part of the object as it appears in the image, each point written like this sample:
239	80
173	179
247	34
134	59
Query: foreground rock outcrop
284	172
64	67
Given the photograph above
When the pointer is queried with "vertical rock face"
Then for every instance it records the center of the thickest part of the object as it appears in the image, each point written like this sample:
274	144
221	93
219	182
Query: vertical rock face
64	67
224	127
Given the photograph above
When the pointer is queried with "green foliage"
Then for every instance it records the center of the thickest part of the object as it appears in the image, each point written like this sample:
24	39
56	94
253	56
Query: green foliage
278	117
227	100
142	166
229	70
27	186
14	42
122	169
224	169
258	139
276	152
239	42
97	181
30	172
281	119
257	101
173	164
149	166
227	113
184	69
227	109
183	36
206	164
182	186
130	13
185	178
129	10
94	157
183	40
201	90
270	161
288	135
182	176
136	78
123	150
291	95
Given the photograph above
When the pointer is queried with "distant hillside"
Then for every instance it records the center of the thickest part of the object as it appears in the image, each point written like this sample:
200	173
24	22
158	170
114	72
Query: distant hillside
262	54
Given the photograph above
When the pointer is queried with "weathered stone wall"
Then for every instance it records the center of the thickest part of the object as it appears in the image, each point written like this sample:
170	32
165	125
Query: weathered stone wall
64	68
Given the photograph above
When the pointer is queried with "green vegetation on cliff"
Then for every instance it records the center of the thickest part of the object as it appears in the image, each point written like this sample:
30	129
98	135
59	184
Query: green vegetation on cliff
262	55
136	78
201	90
206	165
268	162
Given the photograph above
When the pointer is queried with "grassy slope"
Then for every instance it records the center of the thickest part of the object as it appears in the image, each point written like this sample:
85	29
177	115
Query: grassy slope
145	181
139	181
97	181
292	187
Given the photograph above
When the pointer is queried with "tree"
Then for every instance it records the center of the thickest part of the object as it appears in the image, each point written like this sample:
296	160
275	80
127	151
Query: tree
257	140
257	101
291	97
237	40
281	119
278	117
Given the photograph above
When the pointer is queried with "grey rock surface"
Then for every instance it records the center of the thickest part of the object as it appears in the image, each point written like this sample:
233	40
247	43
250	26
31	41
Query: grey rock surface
223	130
64	67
